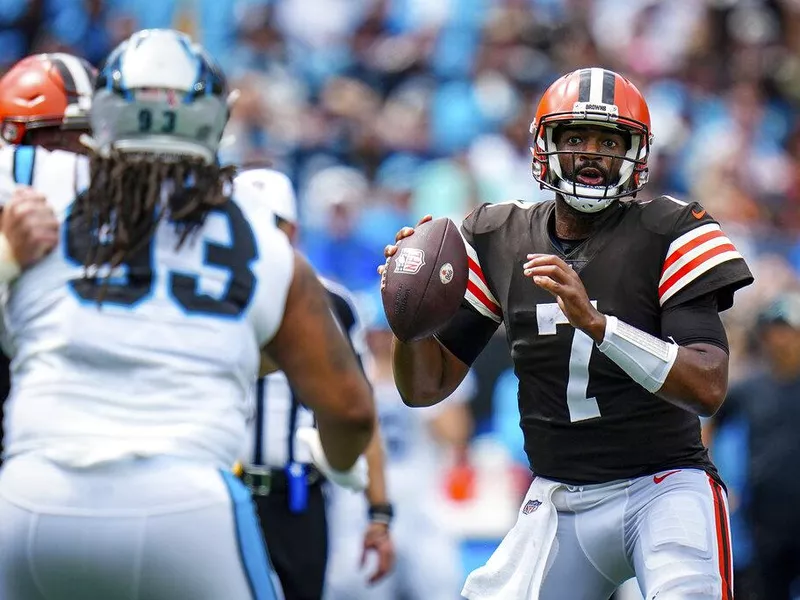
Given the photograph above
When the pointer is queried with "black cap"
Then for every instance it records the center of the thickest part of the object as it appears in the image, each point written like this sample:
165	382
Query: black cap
785	309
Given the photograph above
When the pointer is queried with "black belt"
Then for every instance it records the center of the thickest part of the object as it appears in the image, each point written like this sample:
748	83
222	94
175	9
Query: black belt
264	481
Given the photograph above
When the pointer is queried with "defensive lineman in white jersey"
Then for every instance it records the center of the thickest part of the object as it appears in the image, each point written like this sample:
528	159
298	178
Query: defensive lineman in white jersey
135	342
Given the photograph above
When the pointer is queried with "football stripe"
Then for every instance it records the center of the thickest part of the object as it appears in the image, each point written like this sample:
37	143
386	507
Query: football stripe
584	83
77	71
690	251
480	303
596	87
609	83
66	77
702	264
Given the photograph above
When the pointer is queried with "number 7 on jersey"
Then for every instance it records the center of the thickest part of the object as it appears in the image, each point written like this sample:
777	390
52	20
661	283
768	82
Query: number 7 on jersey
580	408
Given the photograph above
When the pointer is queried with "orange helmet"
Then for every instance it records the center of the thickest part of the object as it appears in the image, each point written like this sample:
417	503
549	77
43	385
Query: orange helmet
45	90
596	97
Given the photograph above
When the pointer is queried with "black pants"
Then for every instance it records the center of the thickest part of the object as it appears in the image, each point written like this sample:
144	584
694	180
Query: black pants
777	558
297	542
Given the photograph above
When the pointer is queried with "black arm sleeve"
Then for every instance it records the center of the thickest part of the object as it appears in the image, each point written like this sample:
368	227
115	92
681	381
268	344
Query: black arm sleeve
695	321
467	333
345	313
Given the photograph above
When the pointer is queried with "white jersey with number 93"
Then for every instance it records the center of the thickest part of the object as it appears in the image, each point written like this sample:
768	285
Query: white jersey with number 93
163	364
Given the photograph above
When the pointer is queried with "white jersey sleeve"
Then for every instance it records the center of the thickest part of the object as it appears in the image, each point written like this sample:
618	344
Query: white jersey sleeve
52	172
275	264
154	358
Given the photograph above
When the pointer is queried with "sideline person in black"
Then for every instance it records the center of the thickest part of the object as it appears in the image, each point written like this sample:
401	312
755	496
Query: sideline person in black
769	404
288	489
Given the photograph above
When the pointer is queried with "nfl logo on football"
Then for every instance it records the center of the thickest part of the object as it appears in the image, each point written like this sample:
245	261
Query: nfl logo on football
530	506
409	261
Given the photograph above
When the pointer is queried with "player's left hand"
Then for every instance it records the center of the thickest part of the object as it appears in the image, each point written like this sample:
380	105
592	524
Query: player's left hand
30	226
378	539
554	275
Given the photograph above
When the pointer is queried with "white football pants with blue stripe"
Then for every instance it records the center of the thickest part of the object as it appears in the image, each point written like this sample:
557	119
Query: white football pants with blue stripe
146	529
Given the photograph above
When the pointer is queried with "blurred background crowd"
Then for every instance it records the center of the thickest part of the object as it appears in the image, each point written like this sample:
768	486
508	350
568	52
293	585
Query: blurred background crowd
382	111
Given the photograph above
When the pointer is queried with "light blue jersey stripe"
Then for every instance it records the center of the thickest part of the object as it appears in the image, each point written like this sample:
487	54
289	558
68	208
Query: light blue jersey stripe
23	164
252	549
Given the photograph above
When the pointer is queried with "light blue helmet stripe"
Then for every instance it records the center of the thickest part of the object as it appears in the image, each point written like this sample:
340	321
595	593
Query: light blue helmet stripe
189	97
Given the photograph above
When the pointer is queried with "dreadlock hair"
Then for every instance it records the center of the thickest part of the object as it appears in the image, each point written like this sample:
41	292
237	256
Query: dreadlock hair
130	193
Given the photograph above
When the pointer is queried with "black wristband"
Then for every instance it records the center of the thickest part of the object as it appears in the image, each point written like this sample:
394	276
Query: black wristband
381	513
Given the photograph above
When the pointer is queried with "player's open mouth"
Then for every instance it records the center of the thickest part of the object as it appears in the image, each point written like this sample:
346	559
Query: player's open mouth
591	176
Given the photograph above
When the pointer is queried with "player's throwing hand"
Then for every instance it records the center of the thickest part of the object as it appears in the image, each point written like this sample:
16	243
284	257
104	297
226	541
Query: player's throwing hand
560	279
391	249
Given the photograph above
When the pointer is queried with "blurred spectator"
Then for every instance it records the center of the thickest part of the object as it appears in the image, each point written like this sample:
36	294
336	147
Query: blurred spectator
334	199
767	405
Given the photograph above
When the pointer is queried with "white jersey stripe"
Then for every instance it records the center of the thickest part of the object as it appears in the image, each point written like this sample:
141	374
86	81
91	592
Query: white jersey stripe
476	275
476	280
470	250
689	236
700	269
675	200
480	306
691	255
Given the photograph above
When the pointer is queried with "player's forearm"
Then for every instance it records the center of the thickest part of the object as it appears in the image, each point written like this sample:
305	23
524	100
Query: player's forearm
376	490
698	381
344	439
420	371
693	377
322	369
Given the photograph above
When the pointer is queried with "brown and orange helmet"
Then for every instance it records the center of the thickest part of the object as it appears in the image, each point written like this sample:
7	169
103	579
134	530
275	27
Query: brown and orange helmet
596	97
45	90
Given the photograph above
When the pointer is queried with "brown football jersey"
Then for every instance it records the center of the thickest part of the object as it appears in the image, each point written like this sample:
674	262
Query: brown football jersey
584	419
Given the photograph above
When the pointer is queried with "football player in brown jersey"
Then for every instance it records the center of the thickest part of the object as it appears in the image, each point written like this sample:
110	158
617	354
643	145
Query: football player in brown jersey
611	310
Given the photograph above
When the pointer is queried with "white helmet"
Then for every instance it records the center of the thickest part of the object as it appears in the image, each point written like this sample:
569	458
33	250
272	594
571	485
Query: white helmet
158	92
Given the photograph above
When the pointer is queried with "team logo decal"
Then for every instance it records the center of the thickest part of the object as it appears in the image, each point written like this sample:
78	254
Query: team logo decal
530	506
446	273
409	261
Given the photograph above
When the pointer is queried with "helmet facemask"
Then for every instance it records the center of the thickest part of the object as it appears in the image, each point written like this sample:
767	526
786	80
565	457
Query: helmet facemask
547	168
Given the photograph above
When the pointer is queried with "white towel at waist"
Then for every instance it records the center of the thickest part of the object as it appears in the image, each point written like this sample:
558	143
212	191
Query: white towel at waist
516	568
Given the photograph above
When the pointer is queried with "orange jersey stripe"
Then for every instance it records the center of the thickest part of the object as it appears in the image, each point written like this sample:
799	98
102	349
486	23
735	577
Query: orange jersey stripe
676	254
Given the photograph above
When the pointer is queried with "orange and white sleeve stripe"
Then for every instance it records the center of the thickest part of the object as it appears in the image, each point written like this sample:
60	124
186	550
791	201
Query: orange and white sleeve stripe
478	293
691	255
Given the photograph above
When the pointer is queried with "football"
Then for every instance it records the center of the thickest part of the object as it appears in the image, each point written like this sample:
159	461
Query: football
425	280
